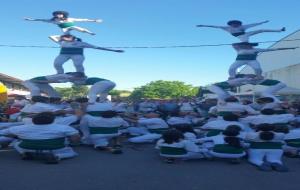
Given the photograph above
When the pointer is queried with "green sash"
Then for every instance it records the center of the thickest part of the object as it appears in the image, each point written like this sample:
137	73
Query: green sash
174	151
265	145
94	113
246	57
269	82
71	51
43	144
158	131
293	143
213	132
223	113
66	24
223	85
227	149
103	130
93	80
238	34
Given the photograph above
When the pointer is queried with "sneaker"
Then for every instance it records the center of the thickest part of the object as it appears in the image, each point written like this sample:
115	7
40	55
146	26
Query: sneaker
265	167
279	167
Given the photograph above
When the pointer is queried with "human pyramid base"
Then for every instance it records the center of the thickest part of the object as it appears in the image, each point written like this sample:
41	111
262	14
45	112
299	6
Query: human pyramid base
227	128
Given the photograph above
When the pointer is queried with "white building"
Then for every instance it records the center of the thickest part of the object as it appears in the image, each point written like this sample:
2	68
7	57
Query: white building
279	65
13	85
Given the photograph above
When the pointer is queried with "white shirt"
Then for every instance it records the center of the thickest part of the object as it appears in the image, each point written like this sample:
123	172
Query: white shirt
270	119
153	123
293	134
39	132
221	124
38	108
178	120
186	144
235	107
92	121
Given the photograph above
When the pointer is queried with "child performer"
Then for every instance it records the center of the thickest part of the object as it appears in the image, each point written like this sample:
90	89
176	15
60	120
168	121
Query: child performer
237	29
62	20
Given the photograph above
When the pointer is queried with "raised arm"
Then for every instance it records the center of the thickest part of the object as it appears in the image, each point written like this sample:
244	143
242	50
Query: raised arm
55	38
254	24
84	20
212	26
33	19
275	49
86	45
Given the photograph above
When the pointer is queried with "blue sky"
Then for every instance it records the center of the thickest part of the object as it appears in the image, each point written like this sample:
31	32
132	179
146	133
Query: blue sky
139	23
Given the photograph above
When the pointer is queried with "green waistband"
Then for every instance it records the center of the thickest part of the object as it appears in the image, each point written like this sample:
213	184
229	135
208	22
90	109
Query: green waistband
246	57
213	132
265	145
44	144
238	34
227	149
93	80
158	131
94	113
223	113
103	130
223	85
293	142
269	82
66	24
71	51
172	150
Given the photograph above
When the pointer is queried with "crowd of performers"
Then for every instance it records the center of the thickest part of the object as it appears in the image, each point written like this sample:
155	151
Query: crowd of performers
47	127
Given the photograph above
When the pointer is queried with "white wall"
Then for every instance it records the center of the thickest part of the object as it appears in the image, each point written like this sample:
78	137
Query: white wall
280	65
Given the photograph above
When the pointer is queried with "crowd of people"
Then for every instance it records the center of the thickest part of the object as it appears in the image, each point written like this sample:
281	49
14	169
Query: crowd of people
47	127
181	129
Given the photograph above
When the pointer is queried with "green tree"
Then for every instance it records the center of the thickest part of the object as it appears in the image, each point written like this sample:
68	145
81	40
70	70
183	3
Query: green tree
72	92
164	90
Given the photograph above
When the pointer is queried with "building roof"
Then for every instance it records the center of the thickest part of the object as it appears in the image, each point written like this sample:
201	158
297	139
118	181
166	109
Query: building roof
9	79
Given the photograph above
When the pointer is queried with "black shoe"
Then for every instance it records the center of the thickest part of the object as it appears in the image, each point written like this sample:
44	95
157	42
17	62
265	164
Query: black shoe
116	150
101	148
279	167
170	160
235	161
50	158
265	167
27	156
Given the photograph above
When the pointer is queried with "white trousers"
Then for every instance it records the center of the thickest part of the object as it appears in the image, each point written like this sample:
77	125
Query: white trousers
77	28
62	153
187	156
223	155
147	138
221	93
62	58
254	64
37	88
269	92
102	88
257	156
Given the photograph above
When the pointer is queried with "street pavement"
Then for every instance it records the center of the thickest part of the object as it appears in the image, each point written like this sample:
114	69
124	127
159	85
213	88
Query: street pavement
139	168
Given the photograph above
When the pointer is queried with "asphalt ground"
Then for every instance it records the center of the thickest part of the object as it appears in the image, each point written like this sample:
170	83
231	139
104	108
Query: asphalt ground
139	168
